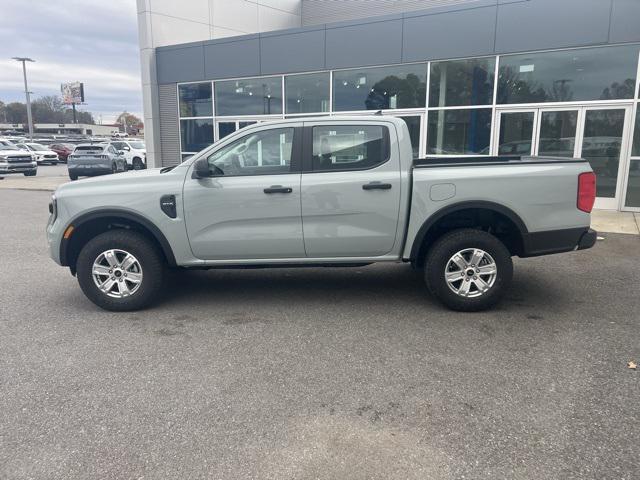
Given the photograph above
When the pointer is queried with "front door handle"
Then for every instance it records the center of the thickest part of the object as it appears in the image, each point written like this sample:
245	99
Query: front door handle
376	186
278	189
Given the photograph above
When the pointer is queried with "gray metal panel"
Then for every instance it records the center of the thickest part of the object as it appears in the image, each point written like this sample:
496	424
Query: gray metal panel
232	59
322	11
180	64
292	53
169	139
364	44
625	21
540	24
448	35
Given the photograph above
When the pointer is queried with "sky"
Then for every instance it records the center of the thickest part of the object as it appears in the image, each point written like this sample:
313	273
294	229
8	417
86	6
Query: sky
90	41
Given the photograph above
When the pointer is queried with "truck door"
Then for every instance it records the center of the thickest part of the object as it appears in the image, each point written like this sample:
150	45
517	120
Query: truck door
350	189
250	206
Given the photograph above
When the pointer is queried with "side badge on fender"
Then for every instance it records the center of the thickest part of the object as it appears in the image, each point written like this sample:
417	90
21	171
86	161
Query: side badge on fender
168	205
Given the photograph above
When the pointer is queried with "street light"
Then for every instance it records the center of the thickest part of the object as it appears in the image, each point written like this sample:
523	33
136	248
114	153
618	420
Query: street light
26	91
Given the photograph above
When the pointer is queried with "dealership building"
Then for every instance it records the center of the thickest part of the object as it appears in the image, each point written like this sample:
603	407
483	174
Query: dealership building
469	77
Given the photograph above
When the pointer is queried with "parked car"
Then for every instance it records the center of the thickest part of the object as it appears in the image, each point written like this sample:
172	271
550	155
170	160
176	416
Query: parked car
63	150
14	160
92	159
134	152
352	182
43	154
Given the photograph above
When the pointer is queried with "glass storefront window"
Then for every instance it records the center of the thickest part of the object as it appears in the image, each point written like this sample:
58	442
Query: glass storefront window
196	134
307	93
459	132
571	75
195	100
251	96
633	187
462	82
558	133
635	150
516	132
413	123
380	88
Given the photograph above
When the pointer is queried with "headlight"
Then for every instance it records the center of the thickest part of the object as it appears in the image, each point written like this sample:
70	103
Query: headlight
3	159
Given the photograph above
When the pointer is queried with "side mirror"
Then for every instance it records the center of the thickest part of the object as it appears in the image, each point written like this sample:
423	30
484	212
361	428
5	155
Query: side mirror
201	168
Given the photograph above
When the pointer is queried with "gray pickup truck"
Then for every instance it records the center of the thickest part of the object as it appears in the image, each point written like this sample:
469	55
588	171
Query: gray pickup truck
327	191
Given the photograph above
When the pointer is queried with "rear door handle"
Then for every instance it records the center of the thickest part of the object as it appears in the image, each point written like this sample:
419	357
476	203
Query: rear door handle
278	189
376	186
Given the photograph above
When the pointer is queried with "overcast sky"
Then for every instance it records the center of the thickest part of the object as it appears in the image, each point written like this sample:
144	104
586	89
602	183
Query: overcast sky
91	41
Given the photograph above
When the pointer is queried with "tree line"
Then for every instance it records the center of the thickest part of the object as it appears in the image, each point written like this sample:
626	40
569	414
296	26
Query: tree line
47	109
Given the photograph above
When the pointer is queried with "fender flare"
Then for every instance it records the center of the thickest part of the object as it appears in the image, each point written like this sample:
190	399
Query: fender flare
125	215
477	204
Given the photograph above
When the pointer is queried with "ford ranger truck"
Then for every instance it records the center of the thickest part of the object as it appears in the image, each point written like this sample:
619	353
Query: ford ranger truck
338	191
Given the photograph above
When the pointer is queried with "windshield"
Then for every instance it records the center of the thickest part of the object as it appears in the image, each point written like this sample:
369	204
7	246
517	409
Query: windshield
8	147
137	145
36	146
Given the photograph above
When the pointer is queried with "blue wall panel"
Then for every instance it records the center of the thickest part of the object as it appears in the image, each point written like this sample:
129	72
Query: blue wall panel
292	52
463	33
232	58
180	64
364	44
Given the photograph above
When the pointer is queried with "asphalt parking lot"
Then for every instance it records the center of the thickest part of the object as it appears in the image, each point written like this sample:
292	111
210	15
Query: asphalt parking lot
318	373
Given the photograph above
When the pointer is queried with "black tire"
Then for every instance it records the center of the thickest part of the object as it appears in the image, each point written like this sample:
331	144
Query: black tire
150	259
30	173
73	176
137	164
445	248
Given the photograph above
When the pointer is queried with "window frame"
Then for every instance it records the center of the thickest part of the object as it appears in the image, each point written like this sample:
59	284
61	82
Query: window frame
295	164
308	147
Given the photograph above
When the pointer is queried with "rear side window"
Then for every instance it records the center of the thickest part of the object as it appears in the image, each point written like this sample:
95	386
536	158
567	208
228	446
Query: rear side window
349	147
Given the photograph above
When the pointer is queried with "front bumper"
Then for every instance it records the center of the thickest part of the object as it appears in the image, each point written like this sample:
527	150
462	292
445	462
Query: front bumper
8	168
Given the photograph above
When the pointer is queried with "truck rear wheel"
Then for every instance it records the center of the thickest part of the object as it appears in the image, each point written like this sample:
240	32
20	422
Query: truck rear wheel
468	270
121	270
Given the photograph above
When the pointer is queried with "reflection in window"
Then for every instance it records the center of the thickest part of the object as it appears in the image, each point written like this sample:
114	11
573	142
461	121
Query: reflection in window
307	93
259	153
635	151
459	132
633	187
251	96
348	147
195	100
196	134
601	147
225	128
462	82
380	88
516	131
413	124
558	133
571	75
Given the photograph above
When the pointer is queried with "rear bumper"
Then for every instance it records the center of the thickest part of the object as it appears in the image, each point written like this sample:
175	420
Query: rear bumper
558	241
88	170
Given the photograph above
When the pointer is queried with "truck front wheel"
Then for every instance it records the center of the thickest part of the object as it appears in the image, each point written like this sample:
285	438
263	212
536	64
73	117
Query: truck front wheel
468	270
121	270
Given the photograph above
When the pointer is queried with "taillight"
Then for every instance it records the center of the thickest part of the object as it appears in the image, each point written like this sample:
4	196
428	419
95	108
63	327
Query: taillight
586	191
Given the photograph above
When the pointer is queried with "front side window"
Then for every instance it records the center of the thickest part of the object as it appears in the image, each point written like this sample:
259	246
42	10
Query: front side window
261	153
604	73
349	147
380	88
195	100
251	96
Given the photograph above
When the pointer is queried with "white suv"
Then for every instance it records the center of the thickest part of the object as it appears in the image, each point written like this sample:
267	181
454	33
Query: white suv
134	151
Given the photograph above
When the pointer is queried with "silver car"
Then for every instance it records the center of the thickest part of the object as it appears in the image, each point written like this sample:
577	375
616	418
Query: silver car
92	159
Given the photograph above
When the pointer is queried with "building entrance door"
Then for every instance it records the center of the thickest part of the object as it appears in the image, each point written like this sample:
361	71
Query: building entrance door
599	134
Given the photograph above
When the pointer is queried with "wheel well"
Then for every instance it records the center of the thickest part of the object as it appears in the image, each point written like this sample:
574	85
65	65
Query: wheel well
486	219
94	227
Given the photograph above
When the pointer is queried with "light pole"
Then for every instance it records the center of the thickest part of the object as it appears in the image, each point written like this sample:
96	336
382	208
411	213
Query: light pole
26	92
